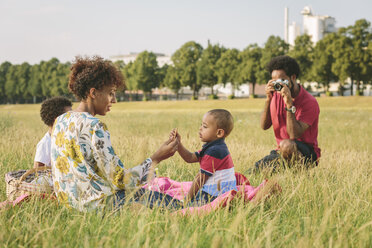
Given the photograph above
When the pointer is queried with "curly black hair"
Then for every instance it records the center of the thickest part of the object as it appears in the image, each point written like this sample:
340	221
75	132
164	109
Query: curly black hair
52	108
95	72
285	63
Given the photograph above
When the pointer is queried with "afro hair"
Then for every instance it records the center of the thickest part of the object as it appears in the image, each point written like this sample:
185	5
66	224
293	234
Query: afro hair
95	72
285	63
52	108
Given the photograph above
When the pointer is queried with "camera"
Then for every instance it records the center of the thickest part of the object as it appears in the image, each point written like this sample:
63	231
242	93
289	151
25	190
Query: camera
278	84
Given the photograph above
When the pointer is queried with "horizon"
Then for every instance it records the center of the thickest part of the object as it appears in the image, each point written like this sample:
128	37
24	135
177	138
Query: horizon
41	30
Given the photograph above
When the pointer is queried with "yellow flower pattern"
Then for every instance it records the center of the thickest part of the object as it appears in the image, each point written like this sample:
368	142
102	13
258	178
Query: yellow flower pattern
60	139
119	179
83	158
71	127
63	198
73	151
62	165
104	127
56	186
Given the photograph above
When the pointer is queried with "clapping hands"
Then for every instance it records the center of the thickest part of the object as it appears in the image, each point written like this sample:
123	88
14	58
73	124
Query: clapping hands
174	135
167	149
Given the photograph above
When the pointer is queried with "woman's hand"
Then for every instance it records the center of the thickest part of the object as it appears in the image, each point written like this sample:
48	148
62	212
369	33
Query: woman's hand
166	150
173	134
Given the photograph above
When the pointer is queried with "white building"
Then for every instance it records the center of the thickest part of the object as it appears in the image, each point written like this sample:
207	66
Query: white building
294	30
162	59
223	90
316	26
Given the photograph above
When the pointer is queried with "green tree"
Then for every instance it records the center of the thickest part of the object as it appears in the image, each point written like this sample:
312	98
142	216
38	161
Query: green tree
369	71
351	53
23	77
161	74
360	58
303	52
274	47
145	69
185	61
16	85
227	68
4	67
48	76
250	67
321	70
35	82
172	80
206	66
11	87
341	51
130	81
119	64
59	78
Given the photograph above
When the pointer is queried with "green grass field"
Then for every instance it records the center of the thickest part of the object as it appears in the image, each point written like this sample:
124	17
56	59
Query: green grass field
328	206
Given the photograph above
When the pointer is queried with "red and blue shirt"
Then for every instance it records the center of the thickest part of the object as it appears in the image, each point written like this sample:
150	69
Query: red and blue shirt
215	162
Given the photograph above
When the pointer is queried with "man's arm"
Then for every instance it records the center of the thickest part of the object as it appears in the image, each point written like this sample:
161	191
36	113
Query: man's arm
266	116
197	184
295	128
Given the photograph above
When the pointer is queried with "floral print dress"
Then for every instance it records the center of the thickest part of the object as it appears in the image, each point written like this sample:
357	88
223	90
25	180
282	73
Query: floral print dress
85	169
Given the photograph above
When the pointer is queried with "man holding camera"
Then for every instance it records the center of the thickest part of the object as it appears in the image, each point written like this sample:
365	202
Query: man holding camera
294	115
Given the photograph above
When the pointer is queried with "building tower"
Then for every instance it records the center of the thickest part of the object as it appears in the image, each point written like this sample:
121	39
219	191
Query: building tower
317	26
286	24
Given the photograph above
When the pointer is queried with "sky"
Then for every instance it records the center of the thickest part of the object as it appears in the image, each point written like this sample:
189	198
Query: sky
31	30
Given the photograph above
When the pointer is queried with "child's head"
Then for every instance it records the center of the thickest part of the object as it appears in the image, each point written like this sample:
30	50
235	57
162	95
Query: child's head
216	124
54	107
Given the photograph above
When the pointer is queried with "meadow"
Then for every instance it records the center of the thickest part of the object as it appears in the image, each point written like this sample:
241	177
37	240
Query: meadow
327	206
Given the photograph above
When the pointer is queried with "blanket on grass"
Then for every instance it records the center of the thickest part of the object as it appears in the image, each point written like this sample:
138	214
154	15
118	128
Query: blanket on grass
179	189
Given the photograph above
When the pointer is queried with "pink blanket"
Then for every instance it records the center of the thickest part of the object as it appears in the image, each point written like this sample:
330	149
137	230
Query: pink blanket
18	201
179	189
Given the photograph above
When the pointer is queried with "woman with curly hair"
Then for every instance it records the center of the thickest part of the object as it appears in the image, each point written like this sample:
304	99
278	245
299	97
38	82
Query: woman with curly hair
87	174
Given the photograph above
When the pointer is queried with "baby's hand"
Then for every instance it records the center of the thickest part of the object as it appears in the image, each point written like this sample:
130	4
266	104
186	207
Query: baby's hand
173	134
178	136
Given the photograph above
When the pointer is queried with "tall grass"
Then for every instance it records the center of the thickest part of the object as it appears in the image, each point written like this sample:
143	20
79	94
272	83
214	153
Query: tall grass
326	206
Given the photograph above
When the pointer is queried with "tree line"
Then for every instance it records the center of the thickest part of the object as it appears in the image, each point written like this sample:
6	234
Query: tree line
346	54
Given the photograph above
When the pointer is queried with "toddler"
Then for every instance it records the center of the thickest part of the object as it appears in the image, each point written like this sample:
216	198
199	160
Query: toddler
217	174
50	110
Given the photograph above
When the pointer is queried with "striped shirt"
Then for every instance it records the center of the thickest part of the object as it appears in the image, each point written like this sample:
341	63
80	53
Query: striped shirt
215	162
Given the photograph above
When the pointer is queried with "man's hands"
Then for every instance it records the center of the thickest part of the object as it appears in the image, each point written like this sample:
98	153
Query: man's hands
287	97
269	89
284	92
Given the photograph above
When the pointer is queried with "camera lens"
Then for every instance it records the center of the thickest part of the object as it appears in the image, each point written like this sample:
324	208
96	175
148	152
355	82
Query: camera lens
278	86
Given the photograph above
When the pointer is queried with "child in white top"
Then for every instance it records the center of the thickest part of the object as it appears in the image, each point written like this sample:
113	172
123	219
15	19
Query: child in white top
50	110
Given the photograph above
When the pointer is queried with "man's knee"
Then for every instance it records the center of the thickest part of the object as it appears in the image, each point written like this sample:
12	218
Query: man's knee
287	148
